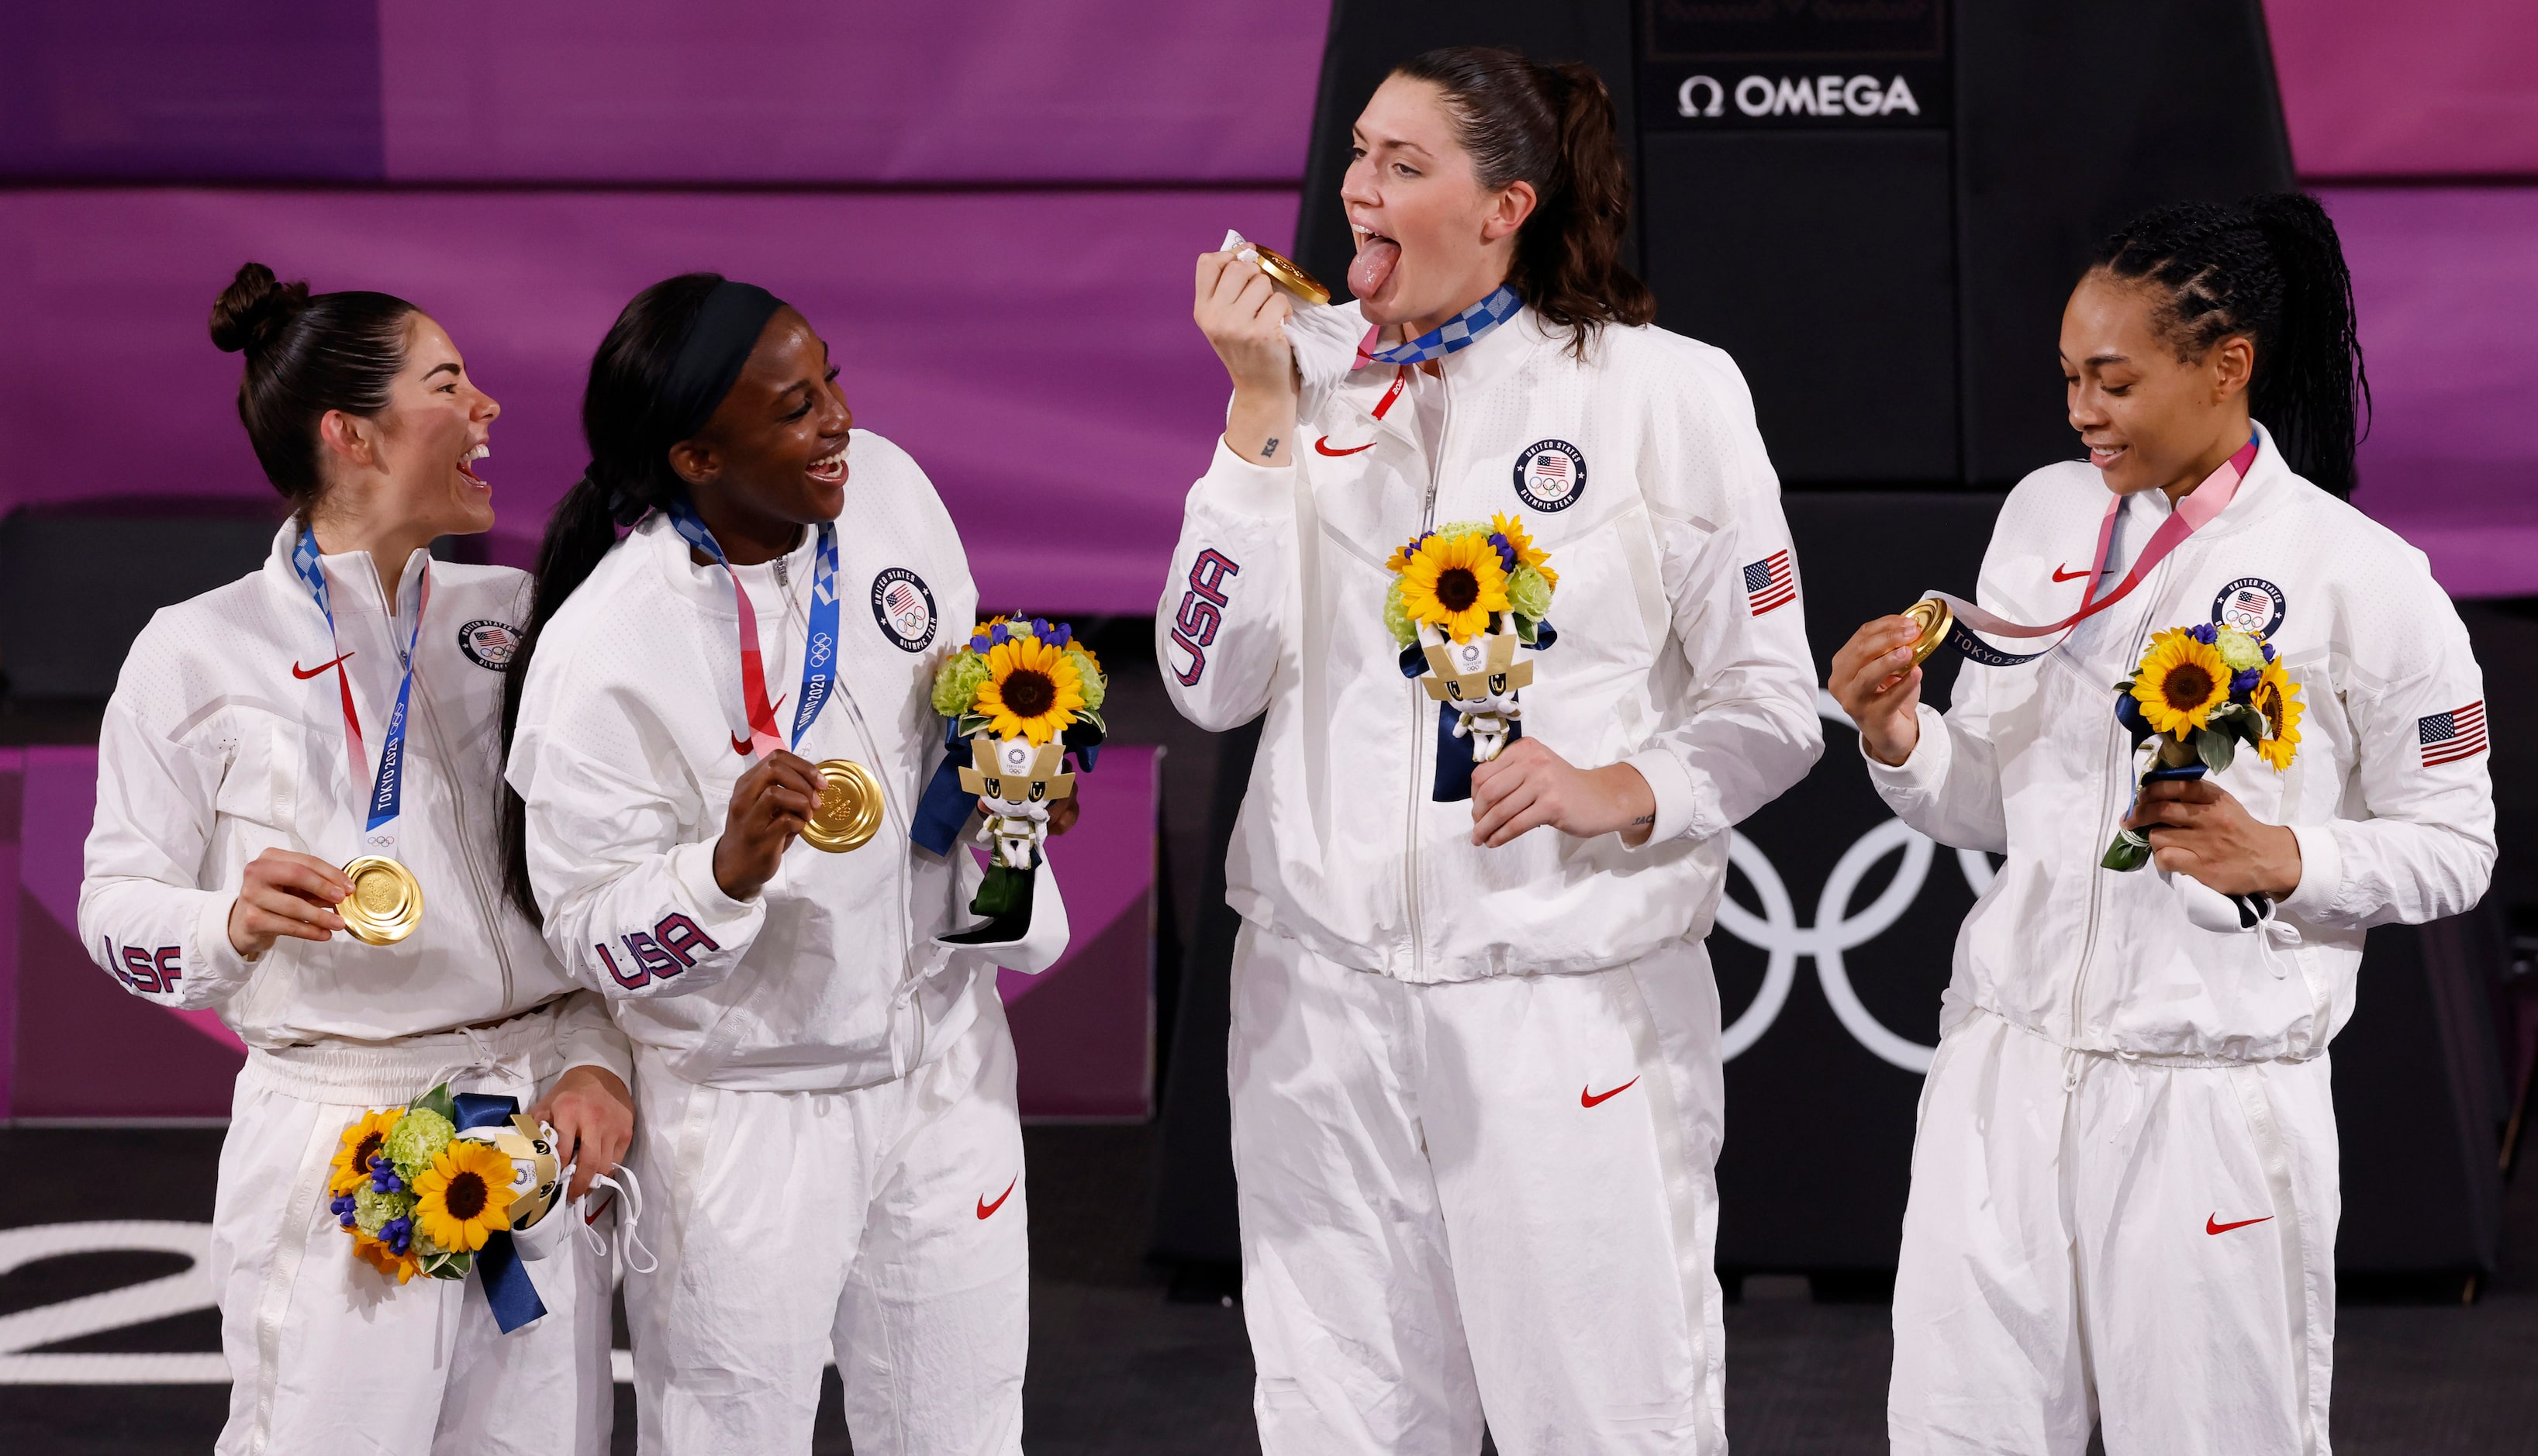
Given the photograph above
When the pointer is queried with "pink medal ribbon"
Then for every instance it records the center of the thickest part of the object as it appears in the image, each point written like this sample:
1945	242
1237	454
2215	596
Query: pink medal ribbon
2199	507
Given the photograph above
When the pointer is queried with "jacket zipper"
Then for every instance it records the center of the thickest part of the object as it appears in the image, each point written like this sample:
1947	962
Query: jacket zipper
838	696
1418	737
2106	806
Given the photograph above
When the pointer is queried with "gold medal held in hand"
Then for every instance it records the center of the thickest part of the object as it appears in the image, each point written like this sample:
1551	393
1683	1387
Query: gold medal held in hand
1933	617
850	808
386	902
1281	271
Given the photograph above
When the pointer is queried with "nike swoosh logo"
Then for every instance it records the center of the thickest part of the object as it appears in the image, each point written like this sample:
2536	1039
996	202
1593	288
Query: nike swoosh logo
740	744
2059	575
2213	1224
303	673
1587	1099
1323	446
985	1208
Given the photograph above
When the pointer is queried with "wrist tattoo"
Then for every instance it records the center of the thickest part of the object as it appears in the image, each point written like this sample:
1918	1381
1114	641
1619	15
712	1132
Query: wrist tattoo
1645	818
1270	448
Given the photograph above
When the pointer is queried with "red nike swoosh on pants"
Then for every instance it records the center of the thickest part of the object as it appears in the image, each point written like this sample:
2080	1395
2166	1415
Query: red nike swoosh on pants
1323	446
985	1208
2213	1224
303	673
2061	575
1586	1099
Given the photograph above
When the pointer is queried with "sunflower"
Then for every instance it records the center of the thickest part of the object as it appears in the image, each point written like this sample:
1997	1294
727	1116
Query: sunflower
1454	583
1033	690
387	1261
2277	698
352	1167
465	1195
2180	682
1526	552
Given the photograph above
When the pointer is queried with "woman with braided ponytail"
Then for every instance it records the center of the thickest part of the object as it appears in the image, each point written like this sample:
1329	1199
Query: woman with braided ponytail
2124	1186
1476	1054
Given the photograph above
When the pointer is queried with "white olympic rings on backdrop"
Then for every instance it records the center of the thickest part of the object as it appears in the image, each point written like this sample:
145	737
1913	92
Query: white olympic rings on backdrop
1777	934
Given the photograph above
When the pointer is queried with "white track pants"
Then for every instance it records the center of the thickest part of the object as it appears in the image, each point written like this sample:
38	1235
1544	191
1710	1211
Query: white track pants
2090	1238
326	1354
1485	1196
887	1221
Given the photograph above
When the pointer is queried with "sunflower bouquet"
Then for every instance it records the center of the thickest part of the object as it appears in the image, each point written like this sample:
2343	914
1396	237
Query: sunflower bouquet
1021	694
2199	694
1463	598
416	1197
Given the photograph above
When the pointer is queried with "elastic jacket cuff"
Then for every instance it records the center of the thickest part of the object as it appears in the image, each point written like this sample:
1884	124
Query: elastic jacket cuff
212	963
1679	799
1922	771
1233	486
2321	872
691	865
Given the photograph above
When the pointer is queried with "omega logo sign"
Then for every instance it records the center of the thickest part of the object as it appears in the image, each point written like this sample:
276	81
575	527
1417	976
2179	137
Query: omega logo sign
1800	95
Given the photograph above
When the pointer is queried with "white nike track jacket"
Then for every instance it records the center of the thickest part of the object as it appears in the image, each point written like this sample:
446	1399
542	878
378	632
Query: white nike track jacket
1682	649
2388	793
629	737
226	738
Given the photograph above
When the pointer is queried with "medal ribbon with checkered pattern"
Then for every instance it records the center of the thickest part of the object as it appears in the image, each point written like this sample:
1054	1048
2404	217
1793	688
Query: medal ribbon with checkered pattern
1462	331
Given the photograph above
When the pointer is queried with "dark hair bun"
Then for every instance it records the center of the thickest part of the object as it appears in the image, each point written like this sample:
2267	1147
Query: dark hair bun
253	307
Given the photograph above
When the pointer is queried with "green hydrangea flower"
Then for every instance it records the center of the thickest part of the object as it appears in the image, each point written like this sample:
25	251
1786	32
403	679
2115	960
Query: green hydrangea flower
1396	616
2239	649
956	683
416	1141
1464	528
1528	593
372	1208
1095	686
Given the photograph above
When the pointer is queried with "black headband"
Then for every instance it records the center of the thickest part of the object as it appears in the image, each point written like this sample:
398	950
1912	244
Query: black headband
710	359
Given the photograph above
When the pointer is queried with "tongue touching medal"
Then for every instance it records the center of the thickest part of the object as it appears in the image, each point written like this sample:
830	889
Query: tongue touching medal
386	902
849	809
1943	618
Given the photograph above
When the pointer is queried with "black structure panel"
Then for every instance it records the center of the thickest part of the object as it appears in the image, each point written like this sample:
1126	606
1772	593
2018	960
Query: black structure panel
52	649
1820	262
2071	118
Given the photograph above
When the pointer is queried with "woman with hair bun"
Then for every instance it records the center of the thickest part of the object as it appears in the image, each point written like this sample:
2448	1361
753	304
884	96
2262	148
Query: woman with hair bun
828	1086
1476	1059
2126	1180
341	702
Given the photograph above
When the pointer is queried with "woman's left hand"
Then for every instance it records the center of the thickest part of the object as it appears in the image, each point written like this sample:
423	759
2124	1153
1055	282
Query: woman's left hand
593	1115
1527	786
2197	828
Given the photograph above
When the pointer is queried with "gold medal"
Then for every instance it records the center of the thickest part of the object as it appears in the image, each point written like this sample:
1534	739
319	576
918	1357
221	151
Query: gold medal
850	808
386	902
1281	271
1934	618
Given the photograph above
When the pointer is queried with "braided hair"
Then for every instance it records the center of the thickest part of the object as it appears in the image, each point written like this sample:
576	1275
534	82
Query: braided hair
629	477
2272	268
1552	126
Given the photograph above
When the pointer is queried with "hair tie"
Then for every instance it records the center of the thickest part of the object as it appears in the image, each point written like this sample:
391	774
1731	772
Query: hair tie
711	355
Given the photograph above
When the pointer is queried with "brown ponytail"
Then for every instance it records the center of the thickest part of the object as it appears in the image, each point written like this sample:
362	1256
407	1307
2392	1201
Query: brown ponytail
1552	126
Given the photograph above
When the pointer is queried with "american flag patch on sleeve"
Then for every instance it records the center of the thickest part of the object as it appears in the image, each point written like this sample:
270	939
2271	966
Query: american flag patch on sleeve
2449	737
1771	582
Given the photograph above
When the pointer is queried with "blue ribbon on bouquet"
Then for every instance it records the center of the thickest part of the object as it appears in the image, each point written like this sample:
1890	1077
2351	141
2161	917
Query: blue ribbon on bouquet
1454	764
515	1299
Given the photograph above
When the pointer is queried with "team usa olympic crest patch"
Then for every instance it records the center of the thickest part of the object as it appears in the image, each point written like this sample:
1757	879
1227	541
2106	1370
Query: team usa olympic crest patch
904	605
1550	475
489	643
2251	604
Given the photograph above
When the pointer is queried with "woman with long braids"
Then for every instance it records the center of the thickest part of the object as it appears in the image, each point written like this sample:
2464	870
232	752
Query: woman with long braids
339	705
1476	1061
828	1090
2124	1187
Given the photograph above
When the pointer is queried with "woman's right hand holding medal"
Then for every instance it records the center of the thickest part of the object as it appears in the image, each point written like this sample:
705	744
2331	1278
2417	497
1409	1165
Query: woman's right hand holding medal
1877	683
770	806
1244	316
285	893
